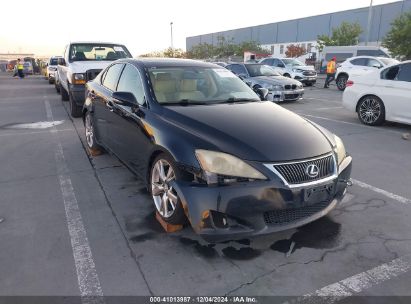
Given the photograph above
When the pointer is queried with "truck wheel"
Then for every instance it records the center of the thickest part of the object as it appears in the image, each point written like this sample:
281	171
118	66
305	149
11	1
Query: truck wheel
75	110
64	94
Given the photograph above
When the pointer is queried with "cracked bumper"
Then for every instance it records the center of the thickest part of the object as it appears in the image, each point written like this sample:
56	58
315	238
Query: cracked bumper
220	213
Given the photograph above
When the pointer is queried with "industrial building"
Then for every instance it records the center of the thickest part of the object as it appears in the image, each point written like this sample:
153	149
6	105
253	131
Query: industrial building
304	31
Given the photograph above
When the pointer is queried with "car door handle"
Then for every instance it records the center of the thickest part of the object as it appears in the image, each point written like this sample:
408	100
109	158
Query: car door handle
110	105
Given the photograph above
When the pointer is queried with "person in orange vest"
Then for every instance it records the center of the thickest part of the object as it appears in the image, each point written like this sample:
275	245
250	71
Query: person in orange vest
330	72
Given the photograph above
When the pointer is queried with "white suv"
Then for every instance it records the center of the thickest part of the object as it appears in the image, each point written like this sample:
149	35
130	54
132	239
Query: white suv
359	65
52	68
290	67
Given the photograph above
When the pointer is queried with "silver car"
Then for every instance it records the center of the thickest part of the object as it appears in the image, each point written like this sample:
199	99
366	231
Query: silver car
257	76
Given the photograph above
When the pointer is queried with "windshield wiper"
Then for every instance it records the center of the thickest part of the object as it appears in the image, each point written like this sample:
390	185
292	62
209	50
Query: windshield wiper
237	99
186	102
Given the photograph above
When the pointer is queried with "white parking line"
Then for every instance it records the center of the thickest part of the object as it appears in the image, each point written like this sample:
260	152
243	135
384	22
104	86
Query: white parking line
35	132
356	283
88	281
393	196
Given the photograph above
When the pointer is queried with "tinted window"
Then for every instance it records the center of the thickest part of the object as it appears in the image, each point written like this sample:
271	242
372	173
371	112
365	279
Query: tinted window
375	53
92	51
111	76
391	73
359	61
53	61
268	61
405	73
130	81
278	63
237	69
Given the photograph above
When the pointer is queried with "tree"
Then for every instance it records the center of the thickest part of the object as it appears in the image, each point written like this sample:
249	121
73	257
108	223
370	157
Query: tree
250	46
346	34
170	53
294	50
397	40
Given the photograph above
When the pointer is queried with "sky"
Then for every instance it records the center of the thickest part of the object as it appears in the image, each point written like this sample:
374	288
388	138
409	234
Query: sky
44	27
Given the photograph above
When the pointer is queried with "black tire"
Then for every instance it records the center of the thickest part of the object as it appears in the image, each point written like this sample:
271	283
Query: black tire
64	94
57	88
51	81
287	75
178	216
341	82
75	110
371	111
309	84
90	134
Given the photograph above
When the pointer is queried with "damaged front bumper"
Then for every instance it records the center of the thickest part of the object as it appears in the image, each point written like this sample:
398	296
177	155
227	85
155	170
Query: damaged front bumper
225	212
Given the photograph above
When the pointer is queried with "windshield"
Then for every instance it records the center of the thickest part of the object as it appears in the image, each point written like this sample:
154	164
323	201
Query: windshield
96	52
256	70
198	85
53	61
292	62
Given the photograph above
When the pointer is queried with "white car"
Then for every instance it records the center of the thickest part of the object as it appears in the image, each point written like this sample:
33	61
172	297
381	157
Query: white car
381	95
290	67
358	66
52	68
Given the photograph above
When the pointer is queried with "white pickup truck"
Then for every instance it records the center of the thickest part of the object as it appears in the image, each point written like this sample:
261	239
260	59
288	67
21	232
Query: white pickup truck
82	62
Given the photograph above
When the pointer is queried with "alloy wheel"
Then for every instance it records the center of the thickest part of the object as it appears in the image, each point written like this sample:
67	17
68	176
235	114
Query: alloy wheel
370	110
342	82
164	196
89	130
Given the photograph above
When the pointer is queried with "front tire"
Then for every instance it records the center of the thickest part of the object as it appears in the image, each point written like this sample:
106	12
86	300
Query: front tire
64	94
342	82
168	204
371	111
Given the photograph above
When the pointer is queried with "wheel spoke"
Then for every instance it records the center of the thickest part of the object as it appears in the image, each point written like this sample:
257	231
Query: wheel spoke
173	198
157	189
165	204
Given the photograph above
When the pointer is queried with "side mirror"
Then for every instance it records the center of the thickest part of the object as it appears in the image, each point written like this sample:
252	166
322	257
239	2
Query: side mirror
378	66
61	61
242	76
262	92
125	99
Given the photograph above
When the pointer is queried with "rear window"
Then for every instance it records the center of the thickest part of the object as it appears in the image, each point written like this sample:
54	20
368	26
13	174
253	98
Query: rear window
53	61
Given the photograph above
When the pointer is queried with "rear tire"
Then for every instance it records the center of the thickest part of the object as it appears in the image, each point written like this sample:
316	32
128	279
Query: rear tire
371	111
51	81
75	110
57	88
166	200
64	94
342	82
90	133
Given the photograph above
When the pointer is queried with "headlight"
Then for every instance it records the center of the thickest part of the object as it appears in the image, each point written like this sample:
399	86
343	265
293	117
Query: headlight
274	87
339	149
218	163
297	71
79	78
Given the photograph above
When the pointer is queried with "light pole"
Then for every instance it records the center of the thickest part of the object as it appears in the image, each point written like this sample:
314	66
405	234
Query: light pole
367	39
171	28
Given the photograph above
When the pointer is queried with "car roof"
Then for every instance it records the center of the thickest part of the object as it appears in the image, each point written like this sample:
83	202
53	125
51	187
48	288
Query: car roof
168	62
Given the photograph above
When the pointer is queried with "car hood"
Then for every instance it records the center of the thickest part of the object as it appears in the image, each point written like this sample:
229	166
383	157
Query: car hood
83	66
302	67
257	131
275	80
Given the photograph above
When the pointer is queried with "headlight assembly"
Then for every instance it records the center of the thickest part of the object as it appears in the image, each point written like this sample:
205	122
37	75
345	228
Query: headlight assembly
226	165
339	149
79	78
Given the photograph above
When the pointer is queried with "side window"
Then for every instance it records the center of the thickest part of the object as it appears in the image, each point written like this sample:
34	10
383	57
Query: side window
390	73
405	73
130	81
278	63
374	63
269	62
359	61
111	76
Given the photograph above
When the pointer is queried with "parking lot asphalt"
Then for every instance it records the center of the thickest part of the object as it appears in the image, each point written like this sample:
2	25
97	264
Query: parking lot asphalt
77	224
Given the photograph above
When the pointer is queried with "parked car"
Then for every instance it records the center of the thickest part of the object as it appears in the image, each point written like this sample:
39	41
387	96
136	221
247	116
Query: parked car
27	68
359	65
52	68
258	76
211	151
82	61
381	95
293	68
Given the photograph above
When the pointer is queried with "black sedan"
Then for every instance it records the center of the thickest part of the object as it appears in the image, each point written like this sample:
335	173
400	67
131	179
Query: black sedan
257	76
211	151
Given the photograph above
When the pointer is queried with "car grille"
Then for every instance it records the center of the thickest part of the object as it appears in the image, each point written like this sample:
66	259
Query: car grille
290	86
295	173
309	73
291	96
288	216
91	74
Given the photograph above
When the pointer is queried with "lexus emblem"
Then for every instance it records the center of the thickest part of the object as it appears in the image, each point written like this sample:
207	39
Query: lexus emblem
312	170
